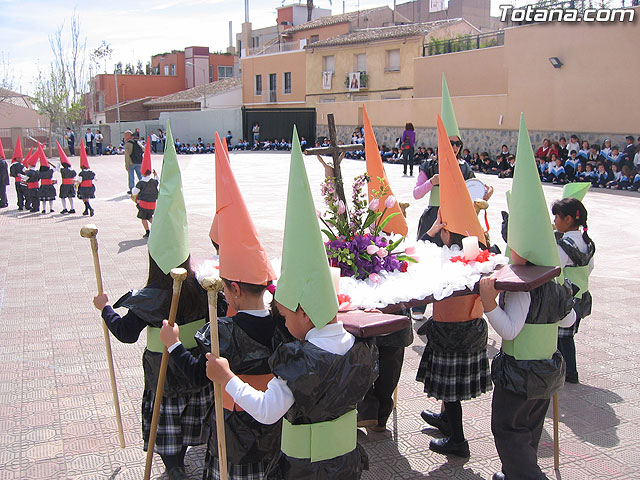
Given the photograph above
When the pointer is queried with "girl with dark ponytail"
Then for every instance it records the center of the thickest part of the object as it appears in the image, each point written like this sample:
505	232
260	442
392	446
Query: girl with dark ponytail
576	255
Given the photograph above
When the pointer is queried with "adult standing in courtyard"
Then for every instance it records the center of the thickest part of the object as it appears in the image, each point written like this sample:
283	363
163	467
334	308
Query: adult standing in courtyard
88	141
71	141
132	158
408	141
256	134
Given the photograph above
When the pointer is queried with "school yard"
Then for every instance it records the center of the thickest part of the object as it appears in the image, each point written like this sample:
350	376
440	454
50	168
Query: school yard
56	413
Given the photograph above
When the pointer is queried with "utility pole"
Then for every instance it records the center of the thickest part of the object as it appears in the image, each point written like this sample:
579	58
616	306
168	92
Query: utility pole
115	74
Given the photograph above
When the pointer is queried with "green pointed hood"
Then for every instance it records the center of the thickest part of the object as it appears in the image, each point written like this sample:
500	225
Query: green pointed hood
305	278
530	233
575	190
447	113
169	238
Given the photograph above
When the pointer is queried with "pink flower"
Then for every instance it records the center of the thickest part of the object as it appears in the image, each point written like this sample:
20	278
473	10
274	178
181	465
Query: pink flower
374	277
374	204
318	213
410	250
390	201
382	252
372	249
341	208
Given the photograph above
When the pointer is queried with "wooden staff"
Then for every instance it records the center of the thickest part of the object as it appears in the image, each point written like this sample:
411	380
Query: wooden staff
90	231
178	275
213	286
556	437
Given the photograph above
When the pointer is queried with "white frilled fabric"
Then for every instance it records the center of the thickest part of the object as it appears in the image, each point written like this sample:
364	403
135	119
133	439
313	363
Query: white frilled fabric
434	274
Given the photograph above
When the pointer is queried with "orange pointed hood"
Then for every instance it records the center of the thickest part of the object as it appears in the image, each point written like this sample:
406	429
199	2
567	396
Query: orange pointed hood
2	151
375	169
456	206
242	256
146	158
84	161
17	152
63	156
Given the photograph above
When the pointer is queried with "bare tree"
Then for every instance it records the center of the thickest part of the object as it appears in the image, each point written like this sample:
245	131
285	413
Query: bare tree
60	90
101	54
7	81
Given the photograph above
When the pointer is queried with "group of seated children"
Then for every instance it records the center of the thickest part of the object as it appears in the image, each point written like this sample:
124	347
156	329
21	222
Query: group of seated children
111	150
273	145
604	166
193	148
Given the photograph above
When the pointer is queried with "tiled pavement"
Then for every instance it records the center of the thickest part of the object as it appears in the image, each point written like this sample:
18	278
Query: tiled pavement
56	414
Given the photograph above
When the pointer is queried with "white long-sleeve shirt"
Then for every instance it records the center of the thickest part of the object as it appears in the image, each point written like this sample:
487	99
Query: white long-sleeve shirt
269	406
576	236
509	322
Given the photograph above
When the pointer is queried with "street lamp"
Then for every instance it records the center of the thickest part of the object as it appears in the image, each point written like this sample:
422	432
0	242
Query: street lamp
204	92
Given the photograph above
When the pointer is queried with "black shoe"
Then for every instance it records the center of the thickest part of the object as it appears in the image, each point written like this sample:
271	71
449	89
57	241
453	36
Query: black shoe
446	446
499	476
20	209
437	420
91	211
146	235
571	377
72	211
51	211
86	212
64	211
177	473
128	192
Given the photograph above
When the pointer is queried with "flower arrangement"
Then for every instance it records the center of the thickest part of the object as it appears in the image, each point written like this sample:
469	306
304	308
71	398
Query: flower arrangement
357	244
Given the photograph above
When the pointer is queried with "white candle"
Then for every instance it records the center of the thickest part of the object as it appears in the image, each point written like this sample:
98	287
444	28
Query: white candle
335	276
470	247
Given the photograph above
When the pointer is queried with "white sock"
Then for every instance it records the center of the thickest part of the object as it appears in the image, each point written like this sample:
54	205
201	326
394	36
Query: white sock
50	204
71	203
64	203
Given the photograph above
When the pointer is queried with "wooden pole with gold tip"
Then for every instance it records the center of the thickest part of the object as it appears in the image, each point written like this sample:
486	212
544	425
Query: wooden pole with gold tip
90	231
556	437
178	275
213	286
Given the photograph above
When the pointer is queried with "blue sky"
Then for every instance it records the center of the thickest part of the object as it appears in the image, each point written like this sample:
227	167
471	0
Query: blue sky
135	30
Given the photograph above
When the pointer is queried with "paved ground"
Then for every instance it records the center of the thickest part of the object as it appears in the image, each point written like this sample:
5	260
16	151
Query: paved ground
56	415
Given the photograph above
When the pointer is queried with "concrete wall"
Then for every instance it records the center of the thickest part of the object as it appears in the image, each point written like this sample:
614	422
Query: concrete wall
188	126
277	63
16	116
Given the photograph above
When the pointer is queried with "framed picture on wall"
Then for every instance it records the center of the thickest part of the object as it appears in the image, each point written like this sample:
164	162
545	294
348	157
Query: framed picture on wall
354	81
326	80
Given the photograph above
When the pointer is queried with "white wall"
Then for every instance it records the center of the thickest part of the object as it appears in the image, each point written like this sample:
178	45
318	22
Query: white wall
188	126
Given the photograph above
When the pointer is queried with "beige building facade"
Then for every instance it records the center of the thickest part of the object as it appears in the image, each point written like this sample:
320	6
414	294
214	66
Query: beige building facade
595	90
384	57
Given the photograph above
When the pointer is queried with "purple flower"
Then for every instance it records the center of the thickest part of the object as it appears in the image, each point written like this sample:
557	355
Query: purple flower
341	207
372	249
374	204
390	201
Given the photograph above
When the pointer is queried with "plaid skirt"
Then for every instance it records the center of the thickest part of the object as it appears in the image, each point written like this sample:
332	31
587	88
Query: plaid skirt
569	331
454	376
181	420
249	471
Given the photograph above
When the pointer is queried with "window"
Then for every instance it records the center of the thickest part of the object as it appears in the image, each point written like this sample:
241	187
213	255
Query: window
393	60
255	42
287	82
314	38
272	87
211	73
225	72
173	69
360	62
258	84
327	64
166	69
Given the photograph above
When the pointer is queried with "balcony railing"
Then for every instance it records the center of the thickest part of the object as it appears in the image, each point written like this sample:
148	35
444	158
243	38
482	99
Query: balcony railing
461	43
275	48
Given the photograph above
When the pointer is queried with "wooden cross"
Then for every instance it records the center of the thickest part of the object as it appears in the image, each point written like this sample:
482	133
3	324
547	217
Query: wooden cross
337	152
